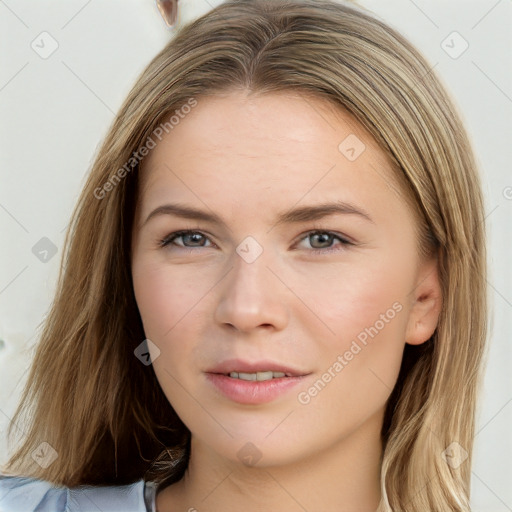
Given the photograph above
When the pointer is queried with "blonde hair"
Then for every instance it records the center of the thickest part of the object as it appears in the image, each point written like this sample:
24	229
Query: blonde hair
104	412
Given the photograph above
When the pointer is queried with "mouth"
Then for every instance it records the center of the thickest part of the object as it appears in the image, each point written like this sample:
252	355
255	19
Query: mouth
257	376
254	382
255	371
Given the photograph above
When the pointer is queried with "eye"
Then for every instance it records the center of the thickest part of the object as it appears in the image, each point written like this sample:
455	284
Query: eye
322	241
195	238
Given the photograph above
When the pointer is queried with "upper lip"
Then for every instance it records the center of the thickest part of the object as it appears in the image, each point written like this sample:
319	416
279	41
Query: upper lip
238	365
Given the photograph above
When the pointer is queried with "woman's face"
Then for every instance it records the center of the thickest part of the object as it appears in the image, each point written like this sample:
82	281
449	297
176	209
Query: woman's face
272	279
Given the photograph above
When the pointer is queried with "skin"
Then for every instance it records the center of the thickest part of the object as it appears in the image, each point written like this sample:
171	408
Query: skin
248	158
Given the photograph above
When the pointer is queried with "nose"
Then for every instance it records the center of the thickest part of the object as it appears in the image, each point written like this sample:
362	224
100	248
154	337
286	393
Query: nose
252	296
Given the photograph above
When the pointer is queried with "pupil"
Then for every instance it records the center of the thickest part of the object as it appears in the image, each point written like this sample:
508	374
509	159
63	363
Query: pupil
323	238
192	236
326	238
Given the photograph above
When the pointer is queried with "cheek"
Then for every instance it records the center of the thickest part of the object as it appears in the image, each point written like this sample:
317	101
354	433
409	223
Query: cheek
347	299
165	298
362	316
171	314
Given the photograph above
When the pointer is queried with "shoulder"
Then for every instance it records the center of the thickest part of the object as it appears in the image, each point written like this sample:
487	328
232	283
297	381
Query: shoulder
29	494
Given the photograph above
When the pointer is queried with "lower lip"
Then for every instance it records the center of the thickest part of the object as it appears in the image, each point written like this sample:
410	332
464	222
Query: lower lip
250	391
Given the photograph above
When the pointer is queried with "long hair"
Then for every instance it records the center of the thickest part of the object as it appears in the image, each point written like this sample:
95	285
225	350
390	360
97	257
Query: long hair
102	410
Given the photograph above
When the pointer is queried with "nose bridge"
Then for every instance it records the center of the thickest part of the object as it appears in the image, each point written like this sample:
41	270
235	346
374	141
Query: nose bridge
250	262
252	295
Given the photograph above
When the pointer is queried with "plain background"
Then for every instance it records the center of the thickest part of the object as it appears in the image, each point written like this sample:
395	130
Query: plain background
55	109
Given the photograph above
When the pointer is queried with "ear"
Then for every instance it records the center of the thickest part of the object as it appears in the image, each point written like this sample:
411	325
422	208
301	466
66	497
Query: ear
426	300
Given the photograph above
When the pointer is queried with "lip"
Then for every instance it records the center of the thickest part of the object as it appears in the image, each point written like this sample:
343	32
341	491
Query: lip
238	365
253	392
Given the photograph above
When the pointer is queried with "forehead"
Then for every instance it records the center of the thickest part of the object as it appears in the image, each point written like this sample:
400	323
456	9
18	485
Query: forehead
272	144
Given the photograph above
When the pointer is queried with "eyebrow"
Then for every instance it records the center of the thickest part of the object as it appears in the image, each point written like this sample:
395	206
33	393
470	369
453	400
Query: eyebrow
294	216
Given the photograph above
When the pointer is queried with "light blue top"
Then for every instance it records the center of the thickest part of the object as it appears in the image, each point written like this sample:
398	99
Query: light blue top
23	494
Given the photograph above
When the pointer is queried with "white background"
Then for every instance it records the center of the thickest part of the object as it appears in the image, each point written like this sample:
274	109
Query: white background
55	111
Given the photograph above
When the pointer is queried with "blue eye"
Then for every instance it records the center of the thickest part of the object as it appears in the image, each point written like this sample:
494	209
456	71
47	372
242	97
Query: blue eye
198	239
187	236
326	238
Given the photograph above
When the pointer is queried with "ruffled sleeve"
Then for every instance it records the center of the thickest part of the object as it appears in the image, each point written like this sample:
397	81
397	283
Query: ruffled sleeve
19	494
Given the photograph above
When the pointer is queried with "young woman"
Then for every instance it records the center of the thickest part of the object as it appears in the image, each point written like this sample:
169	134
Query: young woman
273	295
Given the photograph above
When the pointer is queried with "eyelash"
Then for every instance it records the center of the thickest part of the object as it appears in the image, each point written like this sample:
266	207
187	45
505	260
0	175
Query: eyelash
177	234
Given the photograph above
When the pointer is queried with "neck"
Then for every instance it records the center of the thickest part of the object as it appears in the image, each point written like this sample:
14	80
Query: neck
343	478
